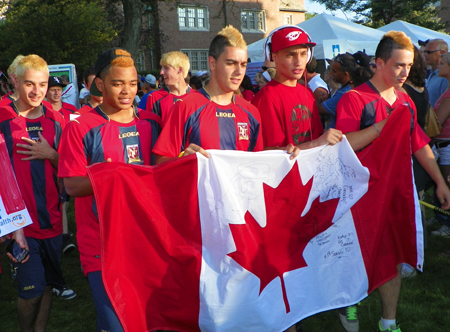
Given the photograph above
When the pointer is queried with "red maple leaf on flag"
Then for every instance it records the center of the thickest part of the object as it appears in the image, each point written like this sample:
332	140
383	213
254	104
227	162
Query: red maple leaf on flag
268	252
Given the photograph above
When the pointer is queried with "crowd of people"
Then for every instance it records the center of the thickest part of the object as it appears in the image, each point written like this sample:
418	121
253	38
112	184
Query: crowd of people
51	141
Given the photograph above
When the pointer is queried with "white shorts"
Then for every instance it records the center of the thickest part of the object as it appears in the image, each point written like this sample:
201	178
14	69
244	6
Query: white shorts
444	155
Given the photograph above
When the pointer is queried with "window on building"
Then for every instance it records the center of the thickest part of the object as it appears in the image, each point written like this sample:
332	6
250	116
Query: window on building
140	61
253	21
198	59
288	19
193	17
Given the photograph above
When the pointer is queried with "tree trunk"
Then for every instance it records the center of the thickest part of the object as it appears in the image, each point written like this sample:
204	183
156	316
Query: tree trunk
130	37
156	43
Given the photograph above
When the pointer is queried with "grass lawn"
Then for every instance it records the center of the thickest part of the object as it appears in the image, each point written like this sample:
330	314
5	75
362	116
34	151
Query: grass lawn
424	300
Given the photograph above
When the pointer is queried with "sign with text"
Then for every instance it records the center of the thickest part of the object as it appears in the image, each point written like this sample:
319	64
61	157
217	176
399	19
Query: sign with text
13	212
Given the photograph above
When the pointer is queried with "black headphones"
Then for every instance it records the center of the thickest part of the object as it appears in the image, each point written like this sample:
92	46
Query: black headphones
268	43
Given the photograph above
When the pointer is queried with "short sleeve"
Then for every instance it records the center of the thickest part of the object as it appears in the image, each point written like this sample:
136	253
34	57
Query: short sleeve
72	159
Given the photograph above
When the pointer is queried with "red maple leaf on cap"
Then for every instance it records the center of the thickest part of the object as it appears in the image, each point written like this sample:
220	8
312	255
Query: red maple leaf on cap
268	252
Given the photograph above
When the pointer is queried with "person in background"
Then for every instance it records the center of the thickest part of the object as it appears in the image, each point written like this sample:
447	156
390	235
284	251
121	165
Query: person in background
246	88
11	97
332	85
69	95
95	98
315	82
53	96
195	83
442	141
360	76
83	94
174	68
148	88
436	85
342	68
362	59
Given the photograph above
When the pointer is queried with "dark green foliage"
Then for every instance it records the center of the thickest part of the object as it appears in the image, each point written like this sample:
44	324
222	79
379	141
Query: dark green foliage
63	31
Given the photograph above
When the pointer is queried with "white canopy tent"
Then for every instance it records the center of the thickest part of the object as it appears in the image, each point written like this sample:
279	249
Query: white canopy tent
415	32
333	35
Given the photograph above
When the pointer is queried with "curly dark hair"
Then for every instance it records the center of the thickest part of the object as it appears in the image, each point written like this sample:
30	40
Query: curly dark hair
418	71
247	83
311	67
361	75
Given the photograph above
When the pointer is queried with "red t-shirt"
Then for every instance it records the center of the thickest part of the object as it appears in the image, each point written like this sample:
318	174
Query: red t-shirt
289	114
248	95
93	138
363	106
36	178
196	119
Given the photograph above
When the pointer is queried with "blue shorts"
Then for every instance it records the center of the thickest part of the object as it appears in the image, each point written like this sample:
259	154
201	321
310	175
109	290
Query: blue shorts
64	197
107	320
42	269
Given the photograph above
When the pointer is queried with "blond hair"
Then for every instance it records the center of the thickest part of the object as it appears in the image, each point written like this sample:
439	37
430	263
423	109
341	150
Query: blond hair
31	61
234	36
401	39
227	37
393	40
272	72
123	61
176	60
13	66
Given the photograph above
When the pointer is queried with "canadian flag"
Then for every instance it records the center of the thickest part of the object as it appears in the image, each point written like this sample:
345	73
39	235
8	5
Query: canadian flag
255	241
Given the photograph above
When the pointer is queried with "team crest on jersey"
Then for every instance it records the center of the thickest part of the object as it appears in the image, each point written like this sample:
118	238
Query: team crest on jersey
133	154
243	131
293	35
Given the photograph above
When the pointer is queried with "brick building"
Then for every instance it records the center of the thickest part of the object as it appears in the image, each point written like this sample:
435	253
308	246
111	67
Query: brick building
190	25
444	14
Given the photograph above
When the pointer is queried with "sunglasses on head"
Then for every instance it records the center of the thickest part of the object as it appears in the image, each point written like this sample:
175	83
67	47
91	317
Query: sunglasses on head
339	60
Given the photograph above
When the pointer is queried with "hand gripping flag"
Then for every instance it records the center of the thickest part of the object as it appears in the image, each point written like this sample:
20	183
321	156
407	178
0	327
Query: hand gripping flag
254	241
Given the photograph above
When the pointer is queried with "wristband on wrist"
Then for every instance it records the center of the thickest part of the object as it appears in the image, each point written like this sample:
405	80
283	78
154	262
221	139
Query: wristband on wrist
376	128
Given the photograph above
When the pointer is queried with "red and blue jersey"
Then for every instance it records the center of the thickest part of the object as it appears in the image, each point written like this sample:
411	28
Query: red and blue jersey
86	108
363	106
66	110
93	138
6	95
37	178
6	100
199	120
163	106
154	97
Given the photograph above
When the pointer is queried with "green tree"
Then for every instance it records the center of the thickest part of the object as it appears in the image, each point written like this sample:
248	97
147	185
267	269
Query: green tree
60	31
377	13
